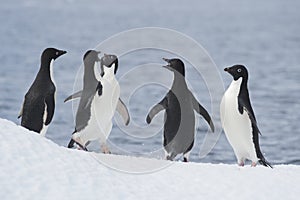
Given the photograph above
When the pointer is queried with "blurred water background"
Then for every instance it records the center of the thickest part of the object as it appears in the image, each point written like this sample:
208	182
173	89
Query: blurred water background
263	35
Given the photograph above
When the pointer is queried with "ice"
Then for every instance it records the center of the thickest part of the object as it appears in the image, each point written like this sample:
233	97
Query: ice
34	167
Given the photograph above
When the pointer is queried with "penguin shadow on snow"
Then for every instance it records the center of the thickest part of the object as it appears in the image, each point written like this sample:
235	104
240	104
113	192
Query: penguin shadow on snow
179	105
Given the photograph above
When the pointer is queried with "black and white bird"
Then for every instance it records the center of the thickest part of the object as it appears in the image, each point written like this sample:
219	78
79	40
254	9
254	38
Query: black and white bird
39	102
179	105
99	100
238	119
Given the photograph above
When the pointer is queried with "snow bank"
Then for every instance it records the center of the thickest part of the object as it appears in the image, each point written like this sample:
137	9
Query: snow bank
33	167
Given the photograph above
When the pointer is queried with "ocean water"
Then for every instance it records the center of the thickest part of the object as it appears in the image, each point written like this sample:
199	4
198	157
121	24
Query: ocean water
264	36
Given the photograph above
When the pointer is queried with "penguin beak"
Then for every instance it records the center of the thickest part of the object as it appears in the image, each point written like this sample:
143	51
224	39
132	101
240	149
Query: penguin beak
168	66
62	52
226	69
167	60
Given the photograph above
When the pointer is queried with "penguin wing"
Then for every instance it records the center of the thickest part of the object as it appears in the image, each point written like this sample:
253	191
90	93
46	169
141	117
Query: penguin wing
123	111
98	90
163	104
201	110
73	96
50	103
246	106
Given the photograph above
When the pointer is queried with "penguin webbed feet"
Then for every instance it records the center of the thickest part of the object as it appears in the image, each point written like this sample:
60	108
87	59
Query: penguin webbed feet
169	158
105	149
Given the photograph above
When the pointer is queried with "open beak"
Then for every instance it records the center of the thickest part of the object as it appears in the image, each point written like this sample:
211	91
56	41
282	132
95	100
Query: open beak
168	66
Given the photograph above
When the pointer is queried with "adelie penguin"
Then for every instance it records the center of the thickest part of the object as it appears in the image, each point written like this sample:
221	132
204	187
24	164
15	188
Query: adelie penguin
99	99
179	105
238	119
39	102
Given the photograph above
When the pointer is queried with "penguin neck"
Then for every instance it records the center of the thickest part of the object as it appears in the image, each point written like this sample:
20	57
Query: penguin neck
244	88
178	81
47	68
109	73
89	78
238	85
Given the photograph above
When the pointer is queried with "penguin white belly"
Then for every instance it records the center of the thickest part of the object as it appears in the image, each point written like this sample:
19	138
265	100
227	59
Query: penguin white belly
44	128
106	105
102	111
92	130
237	127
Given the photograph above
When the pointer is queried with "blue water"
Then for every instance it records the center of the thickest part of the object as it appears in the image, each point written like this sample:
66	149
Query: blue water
264	36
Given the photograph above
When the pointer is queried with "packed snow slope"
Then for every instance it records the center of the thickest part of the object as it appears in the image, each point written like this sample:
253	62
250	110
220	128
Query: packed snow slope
33	167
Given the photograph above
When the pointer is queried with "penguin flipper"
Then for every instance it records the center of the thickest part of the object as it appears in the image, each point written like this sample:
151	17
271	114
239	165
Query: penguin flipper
203	112
123	111
248	109
163	104
245	107
73	96
98	90
50	105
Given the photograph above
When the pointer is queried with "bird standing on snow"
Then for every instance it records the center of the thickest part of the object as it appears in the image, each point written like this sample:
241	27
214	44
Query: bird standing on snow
98	101
39	103
238	119
179	104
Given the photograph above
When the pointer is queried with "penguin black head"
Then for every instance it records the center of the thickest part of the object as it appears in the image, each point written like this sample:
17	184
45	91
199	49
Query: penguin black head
175	64
91	56
108	61
237	71
51	53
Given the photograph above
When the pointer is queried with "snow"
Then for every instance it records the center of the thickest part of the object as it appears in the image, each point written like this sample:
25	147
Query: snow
33	167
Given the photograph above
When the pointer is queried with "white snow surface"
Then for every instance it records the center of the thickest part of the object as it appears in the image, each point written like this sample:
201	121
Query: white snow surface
33	167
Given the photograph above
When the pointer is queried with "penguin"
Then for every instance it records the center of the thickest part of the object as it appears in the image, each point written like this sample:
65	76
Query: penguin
39	103
179	105
98	102
238	119
121	107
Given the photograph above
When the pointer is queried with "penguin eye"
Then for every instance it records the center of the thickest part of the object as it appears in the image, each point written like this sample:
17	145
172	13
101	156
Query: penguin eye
56	53
239	70
111	57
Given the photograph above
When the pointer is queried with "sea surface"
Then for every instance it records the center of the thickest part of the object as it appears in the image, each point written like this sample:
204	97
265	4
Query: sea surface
262	35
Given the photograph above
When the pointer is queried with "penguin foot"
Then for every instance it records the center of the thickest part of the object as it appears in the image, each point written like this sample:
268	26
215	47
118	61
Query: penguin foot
105	149
241	164
169	158
253	164
185	159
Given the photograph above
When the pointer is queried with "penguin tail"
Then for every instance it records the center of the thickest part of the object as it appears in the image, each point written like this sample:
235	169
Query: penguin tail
72	142
265	163
171	156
